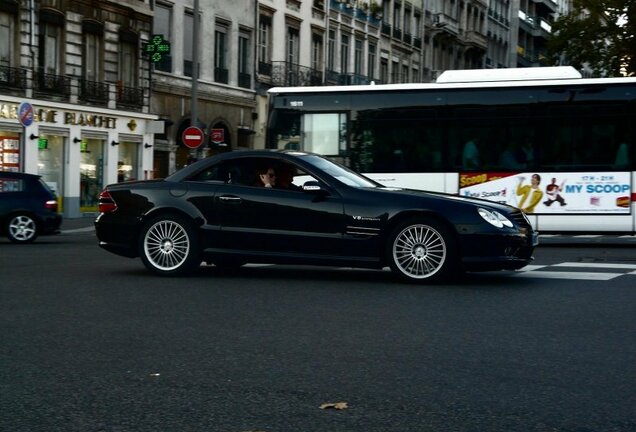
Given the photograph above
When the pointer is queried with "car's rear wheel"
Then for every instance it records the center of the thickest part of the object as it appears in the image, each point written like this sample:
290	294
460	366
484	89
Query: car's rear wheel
422	251
22	228
168	245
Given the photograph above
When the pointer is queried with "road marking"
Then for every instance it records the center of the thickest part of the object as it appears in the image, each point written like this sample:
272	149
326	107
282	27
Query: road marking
567	275
532	267
597	265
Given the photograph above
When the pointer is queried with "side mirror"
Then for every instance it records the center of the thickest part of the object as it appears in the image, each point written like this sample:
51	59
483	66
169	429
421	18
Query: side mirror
313	187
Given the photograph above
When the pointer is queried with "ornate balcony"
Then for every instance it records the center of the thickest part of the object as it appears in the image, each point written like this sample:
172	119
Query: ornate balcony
290	74
93	91
12	77
221	75
52	84
353	79
245	80
130	96
264	68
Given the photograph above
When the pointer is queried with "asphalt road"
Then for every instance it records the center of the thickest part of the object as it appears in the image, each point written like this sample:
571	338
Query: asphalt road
93	342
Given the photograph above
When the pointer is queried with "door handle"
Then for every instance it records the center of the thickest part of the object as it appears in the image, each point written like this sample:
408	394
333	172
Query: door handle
230	199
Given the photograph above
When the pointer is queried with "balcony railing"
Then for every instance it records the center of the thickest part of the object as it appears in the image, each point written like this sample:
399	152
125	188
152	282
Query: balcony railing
290	74
245	80
12	77
265	68
52	84
130	96
221	75
353	79
93	91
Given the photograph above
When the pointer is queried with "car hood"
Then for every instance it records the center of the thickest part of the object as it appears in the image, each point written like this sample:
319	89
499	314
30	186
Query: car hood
450	197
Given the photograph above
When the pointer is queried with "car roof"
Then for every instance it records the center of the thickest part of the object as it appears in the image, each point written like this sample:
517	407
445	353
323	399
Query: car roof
19	175
191	169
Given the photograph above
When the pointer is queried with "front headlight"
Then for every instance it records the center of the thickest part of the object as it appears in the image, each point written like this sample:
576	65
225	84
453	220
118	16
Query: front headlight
494	218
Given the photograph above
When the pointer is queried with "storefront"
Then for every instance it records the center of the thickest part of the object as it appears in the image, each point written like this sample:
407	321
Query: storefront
76	149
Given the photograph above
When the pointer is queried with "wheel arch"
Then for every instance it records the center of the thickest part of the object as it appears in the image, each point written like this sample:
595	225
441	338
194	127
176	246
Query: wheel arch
196	219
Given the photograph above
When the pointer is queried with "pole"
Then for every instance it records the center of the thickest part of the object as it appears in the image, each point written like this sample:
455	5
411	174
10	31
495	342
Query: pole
195	73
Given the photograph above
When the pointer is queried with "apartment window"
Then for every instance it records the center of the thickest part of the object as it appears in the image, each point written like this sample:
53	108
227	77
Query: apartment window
384	71
293	45
316	52
344	54
6	35
50	41
357	57
128	63
220	55
396	16
373	49
331	51
162	24
417	31
188	52
92	67
264	44
407	21
244	76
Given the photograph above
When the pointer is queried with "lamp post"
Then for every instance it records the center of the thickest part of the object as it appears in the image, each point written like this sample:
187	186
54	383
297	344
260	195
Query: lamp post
195	74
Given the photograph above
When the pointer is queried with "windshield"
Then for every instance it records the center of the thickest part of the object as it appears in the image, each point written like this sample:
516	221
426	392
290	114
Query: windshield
341	173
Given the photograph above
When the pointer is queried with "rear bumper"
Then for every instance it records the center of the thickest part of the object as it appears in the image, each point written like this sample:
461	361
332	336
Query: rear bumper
120	239
50	224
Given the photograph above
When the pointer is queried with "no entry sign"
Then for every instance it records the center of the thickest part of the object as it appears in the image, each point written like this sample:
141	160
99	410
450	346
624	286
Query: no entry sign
25	114
192	137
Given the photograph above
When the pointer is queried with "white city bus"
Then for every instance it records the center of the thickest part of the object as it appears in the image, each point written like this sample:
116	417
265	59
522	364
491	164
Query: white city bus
559	146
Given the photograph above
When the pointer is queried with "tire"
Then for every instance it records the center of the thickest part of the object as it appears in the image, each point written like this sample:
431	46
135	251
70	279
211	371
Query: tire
422	251
168	246
22	228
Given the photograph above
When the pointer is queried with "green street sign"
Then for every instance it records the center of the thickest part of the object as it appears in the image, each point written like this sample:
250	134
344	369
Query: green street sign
157	48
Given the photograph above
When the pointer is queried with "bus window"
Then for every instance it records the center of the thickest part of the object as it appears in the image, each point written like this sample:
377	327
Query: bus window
396	140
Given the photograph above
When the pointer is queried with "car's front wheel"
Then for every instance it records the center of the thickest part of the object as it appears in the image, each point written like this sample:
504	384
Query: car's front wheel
422	251
22	228
168	245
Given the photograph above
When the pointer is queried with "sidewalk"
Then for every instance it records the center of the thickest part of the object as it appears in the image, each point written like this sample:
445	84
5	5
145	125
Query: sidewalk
77	224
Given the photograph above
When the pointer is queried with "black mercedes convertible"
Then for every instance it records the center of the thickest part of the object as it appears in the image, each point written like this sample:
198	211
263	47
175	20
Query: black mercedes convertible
286	207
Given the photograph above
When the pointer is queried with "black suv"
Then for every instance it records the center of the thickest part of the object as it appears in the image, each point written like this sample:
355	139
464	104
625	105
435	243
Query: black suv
28	207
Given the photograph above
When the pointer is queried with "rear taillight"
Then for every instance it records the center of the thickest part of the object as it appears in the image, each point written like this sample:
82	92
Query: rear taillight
106	202
51	205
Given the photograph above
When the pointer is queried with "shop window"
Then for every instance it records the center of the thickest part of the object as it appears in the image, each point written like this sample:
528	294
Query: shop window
51	163
9	152
127	165
91	173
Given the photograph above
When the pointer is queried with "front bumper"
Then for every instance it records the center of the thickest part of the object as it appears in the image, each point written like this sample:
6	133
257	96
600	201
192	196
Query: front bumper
498	251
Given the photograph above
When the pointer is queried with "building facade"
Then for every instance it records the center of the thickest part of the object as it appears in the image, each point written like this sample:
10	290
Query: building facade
74	95
535	19
225	97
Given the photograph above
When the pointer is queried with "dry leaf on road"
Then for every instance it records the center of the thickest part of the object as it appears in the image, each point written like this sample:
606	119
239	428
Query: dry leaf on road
336	405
